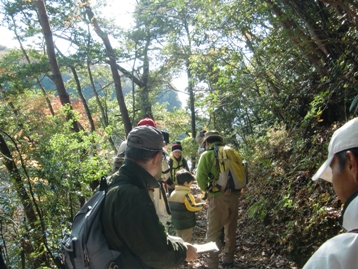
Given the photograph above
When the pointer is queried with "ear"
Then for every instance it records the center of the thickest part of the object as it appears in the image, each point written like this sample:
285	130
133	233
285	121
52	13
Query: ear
157	156
352	165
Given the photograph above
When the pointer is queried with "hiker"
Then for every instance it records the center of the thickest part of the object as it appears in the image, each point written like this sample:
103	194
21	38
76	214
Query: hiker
118	160
129	217
183	205
223	206
176	163
341	169
199	139
158	195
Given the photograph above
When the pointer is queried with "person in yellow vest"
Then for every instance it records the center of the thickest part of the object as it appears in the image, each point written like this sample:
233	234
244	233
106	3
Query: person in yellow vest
176	163
183	205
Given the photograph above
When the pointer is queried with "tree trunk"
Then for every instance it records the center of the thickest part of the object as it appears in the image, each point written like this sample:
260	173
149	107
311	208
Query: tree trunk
305	44
57	77
26	202
188	52
345	5
113	65
146	106
84	102
103	113
29	61
304	9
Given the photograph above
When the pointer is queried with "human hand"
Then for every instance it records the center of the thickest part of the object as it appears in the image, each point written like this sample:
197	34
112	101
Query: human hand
197	199
191	252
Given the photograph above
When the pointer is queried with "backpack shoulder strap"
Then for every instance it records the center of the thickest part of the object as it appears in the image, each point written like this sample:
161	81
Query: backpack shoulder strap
103	184
216	153
221	157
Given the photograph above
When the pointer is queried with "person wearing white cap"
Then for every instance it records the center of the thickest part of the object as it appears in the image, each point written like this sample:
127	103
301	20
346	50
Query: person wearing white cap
341	169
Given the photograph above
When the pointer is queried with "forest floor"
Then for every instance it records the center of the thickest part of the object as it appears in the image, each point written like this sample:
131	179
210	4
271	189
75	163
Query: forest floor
250	251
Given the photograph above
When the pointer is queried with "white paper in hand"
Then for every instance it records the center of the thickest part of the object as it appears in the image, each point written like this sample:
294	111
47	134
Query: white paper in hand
207	247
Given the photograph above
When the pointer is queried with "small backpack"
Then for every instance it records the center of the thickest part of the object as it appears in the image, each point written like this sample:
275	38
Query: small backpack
232	170
85	247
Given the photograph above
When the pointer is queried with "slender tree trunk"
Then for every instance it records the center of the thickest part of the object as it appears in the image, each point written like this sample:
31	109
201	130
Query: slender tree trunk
79	91
130	75
345	5
305	44
133	86
103	111
101	108
25	200
57	77
190	81
316	30
83	99
144	92
29	61
113	65
190	85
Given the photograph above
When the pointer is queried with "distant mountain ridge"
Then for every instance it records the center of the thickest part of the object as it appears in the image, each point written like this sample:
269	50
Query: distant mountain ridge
168	95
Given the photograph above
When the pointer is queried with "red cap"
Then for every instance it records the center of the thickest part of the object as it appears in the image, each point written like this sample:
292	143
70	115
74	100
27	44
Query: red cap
146	121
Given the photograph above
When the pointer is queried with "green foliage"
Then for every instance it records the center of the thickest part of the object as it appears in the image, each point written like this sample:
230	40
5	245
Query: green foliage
258	74
354	105
257	210
281	195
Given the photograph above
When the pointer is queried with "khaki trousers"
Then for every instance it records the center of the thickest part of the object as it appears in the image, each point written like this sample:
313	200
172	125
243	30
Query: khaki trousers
222	212
185	234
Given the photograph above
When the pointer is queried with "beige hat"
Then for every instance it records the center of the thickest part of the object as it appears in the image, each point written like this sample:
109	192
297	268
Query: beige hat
346	137
145	137
213	133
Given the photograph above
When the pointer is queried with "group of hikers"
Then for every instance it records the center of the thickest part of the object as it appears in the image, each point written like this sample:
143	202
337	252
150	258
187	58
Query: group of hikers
155	190
158	194
136	212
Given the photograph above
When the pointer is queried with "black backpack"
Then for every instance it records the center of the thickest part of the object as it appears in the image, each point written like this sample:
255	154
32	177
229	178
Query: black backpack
85	247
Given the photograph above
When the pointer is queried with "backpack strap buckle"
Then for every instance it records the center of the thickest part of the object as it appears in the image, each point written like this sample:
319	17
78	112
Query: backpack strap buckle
113	266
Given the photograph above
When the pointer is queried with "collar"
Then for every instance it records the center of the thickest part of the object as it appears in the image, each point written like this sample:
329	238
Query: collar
216	143
181	188
349	217
138	175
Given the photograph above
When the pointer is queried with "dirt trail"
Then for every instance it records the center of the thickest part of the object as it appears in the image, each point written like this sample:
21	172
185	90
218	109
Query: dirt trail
251	251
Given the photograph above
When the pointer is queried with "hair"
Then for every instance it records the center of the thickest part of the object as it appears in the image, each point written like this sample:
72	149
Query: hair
117	162
184	176
342	156
213	139
139	155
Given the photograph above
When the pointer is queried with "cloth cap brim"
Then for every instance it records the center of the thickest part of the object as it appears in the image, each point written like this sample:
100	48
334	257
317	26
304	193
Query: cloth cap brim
325	171
344	138
210	136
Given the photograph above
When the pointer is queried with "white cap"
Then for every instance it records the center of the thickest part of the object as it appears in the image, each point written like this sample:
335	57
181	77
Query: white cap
343	138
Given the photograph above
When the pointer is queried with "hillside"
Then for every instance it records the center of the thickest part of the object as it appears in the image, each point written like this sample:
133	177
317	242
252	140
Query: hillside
3	50
283	216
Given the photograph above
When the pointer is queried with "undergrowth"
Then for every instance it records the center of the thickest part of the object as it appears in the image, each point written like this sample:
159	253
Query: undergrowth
291	213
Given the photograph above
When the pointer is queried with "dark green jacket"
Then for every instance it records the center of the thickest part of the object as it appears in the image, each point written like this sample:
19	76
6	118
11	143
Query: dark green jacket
181	218
131	225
